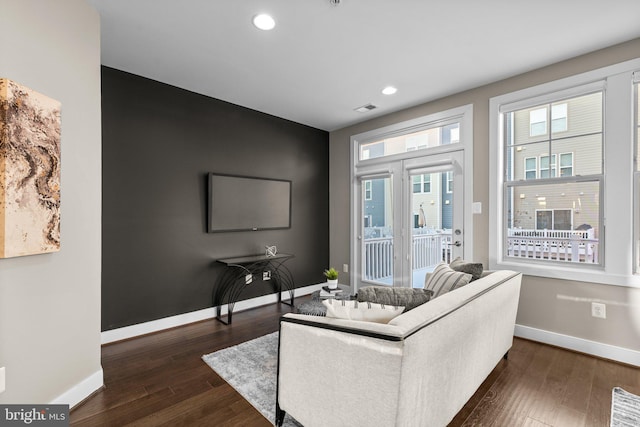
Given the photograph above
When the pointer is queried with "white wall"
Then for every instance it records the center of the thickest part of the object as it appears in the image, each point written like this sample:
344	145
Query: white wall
551	310
50	304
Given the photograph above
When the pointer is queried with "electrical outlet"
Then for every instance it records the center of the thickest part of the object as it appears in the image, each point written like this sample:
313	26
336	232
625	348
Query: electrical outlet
248	279
2	379
266	275
598	310
345	268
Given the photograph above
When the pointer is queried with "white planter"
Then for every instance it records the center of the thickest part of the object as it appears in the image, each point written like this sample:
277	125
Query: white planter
332	283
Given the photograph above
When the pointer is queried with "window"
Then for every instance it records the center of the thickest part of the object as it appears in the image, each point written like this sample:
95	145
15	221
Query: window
427	136
559	118
422	183
530	168
538	120
554	219
548	199
566	164
449	178
560	163
544	166
368	190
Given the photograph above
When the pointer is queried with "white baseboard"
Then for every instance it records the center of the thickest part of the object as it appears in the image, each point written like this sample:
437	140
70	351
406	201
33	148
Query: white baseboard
606	351
132	331
80	391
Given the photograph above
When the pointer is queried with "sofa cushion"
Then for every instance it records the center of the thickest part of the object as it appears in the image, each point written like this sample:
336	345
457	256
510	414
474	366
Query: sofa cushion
473	268
443	279
407	297
366	311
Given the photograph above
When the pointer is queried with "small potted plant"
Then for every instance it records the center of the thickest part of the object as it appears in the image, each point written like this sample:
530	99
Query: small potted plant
332	278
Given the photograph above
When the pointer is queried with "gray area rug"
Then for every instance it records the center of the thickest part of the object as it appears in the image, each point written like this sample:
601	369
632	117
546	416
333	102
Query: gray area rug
625	408
250	368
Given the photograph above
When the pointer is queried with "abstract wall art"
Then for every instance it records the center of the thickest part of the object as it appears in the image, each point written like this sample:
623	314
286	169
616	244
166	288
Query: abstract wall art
29	171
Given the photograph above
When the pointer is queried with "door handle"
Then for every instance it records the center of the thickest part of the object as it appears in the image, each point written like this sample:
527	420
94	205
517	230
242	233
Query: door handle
457	243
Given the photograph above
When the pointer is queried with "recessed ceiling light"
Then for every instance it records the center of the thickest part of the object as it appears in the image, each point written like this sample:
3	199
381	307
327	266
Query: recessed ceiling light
264	22
389	90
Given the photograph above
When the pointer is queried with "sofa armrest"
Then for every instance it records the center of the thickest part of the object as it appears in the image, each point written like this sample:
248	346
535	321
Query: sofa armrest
338	372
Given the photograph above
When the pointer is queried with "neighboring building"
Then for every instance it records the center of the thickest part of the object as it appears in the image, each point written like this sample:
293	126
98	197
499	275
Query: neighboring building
562	139
432	192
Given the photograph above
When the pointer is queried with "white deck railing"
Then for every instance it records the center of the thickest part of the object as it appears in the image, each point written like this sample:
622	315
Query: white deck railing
554	245
427	249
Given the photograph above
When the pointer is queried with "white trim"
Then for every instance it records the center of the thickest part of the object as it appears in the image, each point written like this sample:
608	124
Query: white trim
133	331
80	391
616	199
594	348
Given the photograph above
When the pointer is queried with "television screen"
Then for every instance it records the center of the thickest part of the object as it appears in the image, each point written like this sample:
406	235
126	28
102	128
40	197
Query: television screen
240	203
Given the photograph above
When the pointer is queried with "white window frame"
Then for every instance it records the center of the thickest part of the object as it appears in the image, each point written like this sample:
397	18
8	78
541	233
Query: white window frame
636	173
377	165
449	186
617	197
422	182
553	217
534	170
538	112
555	116
559	166
368	189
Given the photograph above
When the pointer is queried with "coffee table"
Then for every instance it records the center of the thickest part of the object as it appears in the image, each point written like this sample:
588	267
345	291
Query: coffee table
315	306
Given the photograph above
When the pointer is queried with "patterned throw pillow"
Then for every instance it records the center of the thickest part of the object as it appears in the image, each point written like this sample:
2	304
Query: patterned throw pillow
408	297
366	311
473	268
444	279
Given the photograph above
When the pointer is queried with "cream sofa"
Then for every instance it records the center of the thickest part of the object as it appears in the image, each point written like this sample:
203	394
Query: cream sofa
417	370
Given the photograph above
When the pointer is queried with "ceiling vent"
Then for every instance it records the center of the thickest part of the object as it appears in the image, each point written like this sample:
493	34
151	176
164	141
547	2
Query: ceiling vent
365	108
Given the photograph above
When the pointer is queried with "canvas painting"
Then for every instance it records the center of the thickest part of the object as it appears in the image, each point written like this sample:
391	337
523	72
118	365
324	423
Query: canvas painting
29	171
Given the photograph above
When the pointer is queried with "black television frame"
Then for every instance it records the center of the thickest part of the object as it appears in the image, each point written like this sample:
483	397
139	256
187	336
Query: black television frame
212	228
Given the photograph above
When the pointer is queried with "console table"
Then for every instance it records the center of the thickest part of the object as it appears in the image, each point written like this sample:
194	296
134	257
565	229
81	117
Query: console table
233	280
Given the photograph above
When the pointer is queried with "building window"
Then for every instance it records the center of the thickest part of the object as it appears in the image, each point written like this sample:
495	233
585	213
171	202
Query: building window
530	168
558	118
554	219
422	183
538	119
552	224
449	178
368	192
545	167
538	122
566	164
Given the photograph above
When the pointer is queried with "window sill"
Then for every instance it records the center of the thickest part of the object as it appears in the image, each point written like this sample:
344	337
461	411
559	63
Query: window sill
576	273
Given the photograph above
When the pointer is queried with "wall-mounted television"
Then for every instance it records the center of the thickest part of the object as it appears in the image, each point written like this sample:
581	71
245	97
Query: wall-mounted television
242	203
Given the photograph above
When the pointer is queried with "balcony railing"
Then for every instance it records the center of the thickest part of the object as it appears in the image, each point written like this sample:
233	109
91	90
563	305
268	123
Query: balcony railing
428	249
554	245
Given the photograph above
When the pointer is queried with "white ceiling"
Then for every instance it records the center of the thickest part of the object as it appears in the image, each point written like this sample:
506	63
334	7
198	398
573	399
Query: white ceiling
322	61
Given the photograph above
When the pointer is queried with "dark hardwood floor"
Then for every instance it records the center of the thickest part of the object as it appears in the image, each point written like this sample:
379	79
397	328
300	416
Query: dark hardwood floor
160	379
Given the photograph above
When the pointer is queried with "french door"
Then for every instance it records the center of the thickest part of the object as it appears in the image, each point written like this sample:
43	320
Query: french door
410	217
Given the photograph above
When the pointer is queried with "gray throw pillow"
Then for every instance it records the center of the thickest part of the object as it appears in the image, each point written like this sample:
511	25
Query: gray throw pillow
407	297
473	268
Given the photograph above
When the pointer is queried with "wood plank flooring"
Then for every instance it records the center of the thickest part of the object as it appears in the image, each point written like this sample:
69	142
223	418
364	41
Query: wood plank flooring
160	379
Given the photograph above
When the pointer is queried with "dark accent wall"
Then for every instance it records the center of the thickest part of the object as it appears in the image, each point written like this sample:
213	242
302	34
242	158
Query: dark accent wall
159	143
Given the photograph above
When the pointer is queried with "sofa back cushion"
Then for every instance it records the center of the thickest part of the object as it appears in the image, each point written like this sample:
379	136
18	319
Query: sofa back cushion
443	279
